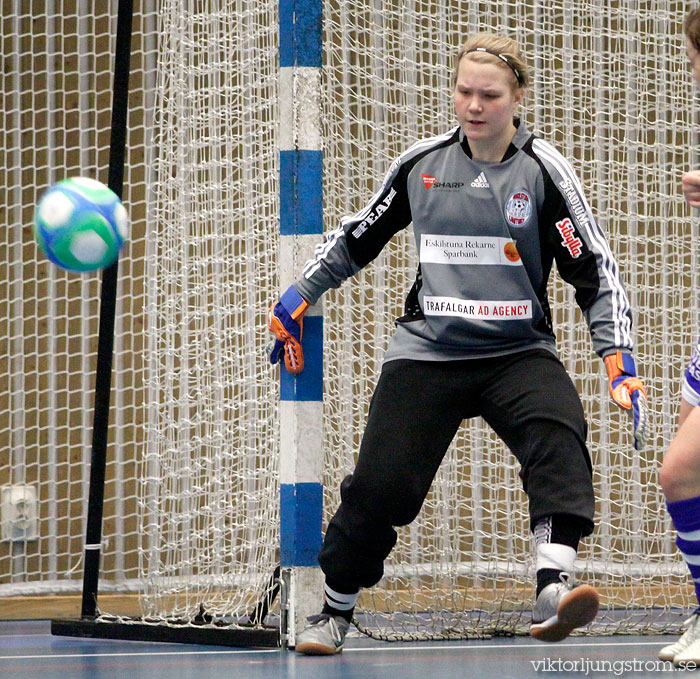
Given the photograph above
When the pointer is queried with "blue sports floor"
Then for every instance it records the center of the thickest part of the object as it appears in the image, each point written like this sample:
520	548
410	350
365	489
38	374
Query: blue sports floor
29	651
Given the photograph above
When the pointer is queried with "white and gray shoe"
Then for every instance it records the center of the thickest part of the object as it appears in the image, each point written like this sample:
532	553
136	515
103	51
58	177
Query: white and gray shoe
561	607
325	635
686	642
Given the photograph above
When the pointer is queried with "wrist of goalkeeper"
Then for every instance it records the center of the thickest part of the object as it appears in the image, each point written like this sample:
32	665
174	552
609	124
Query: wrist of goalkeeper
284	320
622	378
628	391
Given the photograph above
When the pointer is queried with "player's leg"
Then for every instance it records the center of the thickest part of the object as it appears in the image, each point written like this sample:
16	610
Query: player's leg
680	472
533	405
561	605
414	414
680	481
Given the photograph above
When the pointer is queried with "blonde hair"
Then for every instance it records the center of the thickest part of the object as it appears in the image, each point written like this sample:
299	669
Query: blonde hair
510	57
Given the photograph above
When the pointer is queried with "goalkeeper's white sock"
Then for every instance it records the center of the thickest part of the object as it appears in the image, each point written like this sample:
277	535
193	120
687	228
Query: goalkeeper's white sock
556	557
556	540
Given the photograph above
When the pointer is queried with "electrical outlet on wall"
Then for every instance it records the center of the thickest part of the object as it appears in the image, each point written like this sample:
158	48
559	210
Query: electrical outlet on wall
18	513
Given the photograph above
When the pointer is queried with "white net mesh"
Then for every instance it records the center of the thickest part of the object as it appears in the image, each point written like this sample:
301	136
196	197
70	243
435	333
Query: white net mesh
55	123
191	514
210	509
611	90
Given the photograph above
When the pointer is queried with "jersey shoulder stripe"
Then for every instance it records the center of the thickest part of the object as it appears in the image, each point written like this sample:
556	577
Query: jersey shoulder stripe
418	149
427	144
570	187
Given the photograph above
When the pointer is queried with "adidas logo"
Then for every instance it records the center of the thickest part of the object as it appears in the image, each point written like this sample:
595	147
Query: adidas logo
481	182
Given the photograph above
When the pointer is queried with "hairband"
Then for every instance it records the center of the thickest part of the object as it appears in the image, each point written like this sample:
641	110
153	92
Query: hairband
505	59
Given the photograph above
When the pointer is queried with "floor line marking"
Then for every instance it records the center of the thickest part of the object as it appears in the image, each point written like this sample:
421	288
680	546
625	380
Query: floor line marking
373	649
134	654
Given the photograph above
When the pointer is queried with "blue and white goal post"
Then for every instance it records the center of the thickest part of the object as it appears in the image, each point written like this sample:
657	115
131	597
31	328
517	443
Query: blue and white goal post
301	397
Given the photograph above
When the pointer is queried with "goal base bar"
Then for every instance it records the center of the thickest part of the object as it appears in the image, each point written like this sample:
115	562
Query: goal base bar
179	634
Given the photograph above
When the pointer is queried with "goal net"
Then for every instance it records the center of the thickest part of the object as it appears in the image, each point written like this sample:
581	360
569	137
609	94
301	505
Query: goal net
191	514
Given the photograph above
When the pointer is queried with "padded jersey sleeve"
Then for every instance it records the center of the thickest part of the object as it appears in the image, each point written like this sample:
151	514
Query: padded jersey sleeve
582	253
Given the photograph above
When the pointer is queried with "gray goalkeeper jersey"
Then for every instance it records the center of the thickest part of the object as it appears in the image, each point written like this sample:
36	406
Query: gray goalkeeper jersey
487	235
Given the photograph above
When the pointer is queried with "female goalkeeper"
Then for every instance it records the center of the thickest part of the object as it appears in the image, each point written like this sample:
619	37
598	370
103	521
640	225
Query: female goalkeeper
492	207
680	472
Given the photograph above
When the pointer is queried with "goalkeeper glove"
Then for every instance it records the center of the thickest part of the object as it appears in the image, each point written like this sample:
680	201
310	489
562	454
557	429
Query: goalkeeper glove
627	390
284	320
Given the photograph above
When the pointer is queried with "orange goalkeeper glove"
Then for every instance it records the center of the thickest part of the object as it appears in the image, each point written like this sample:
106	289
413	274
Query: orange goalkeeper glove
284	320
627	390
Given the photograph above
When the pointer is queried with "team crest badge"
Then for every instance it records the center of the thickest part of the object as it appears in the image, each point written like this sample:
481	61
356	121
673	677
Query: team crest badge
518	208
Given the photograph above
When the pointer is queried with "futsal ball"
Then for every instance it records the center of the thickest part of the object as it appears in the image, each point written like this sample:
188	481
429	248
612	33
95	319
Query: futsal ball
81	224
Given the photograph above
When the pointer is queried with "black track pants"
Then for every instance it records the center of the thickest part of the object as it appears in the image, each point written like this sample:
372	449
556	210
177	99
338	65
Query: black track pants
417	407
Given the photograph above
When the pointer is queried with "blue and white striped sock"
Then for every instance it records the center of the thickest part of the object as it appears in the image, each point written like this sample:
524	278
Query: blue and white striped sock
686	518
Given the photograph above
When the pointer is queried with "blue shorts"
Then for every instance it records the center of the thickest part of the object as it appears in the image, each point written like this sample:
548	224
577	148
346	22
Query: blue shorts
691	381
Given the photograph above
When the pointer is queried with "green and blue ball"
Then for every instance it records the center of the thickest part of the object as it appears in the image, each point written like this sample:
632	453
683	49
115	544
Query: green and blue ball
80	224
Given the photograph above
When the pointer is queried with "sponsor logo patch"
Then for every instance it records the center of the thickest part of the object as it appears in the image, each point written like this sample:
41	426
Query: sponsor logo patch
509	310
428	180
518	208
511	251
436	249
577	207
433	182
372	217
568	240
